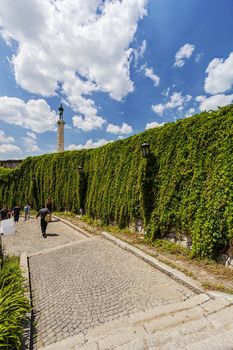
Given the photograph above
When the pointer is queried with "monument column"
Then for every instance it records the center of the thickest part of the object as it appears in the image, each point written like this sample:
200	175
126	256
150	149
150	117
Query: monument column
60	130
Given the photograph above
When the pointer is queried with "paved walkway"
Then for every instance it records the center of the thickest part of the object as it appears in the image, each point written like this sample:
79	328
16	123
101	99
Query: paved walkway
90	294
28	238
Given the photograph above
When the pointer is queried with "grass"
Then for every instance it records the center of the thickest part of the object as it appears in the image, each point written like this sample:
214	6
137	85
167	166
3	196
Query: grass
166	246
218	287
13	304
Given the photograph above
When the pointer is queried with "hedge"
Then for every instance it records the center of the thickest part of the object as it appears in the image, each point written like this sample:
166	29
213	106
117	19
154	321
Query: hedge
185	185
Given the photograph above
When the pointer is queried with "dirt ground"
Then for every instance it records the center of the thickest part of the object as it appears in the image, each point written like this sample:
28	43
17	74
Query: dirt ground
211	275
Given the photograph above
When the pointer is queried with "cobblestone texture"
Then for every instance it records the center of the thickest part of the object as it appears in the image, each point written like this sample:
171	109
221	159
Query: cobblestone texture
92	282
28	238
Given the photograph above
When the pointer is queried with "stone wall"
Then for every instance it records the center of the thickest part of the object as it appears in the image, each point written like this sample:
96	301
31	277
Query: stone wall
11	163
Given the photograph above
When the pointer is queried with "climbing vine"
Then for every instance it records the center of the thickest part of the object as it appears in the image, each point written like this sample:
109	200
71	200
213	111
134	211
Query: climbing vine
185	185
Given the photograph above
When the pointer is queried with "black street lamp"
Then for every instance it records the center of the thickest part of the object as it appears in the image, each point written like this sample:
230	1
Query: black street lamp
80	168
81	188
34	194
145	147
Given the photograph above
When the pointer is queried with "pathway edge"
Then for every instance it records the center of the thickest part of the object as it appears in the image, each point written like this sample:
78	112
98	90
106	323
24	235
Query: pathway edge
27	336
80	230
173	273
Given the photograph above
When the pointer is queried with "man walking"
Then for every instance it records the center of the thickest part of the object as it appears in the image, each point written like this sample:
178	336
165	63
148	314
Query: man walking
26	212
16	213
43	212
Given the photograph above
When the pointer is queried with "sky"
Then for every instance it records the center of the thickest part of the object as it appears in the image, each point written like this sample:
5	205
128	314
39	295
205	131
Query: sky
117	66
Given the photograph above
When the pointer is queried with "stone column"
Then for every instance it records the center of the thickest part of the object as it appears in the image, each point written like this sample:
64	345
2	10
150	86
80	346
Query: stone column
60	135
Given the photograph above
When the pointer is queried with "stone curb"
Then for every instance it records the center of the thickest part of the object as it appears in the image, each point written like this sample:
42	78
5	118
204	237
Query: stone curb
27	337
173	273
85	233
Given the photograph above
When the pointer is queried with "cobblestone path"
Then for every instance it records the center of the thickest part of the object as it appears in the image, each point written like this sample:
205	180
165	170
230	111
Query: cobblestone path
28	237
90	294
92	282
79	283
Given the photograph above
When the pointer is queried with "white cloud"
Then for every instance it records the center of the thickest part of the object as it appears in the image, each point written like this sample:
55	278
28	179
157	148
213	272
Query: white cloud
30	142
32	135
8	148
124	129
6	145
212	102
177	100
198	57
219	75
190	112
139	53
150	74
88	123
88	119
158	109
61	41
89	144
153	125
4	138
183	54
34	114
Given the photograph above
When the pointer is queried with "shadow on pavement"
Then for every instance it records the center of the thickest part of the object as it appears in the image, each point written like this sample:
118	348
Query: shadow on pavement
55	220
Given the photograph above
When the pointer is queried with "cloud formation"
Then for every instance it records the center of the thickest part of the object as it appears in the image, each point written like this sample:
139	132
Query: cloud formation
153	125
6	145
82	45
177	100
124	129
35	115
183	54
4	138
213	102
30	142
89	144
150	74
139	52
8	148
219	75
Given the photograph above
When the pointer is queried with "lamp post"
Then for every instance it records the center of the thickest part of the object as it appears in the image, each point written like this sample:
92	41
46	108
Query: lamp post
33	192
145	147
148	182
81	189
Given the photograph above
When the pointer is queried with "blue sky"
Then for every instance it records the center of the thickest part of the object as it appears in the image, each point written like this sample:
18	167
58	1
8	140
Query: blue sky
119	67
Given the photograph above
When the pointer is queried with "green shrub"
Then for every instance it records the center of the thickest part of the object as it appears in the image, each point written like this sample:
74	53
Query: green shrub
13	304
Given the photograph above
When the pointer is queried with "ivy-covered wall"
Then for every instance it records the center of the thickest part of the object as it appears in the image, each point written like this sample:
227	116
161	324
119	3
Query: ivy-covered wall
186	184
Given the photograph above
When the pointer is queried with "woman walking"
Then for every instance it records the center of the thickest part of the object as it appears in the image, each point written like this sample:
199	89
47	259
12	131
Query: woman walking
43	212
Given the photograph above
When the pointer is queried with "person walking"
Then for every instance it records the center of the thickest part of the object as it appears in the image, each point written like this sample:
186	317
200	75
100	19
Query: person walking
16	213
43	212
49	205
26	212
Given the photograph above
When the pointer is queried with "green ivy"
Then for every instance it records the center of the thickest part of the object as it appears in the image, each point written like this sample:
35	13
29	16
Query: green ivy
185	185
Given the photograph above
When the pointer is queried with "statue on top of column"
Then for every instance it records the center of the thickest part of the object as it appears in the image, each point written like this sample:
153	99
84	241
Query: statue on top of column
61	110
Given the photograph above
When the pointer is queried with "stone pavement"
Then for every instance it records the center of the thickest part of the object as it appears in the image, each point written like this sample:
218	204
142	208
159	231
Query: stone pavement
88	293
28	237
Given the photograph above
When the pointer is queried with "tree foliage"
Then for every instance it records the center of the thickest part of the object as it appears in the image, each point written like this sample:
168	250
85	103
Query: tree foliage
186	183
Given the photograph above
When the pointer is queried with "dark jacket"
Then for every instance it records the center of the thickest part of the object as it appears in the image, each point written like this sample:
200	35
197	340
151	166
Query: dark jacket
43	212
